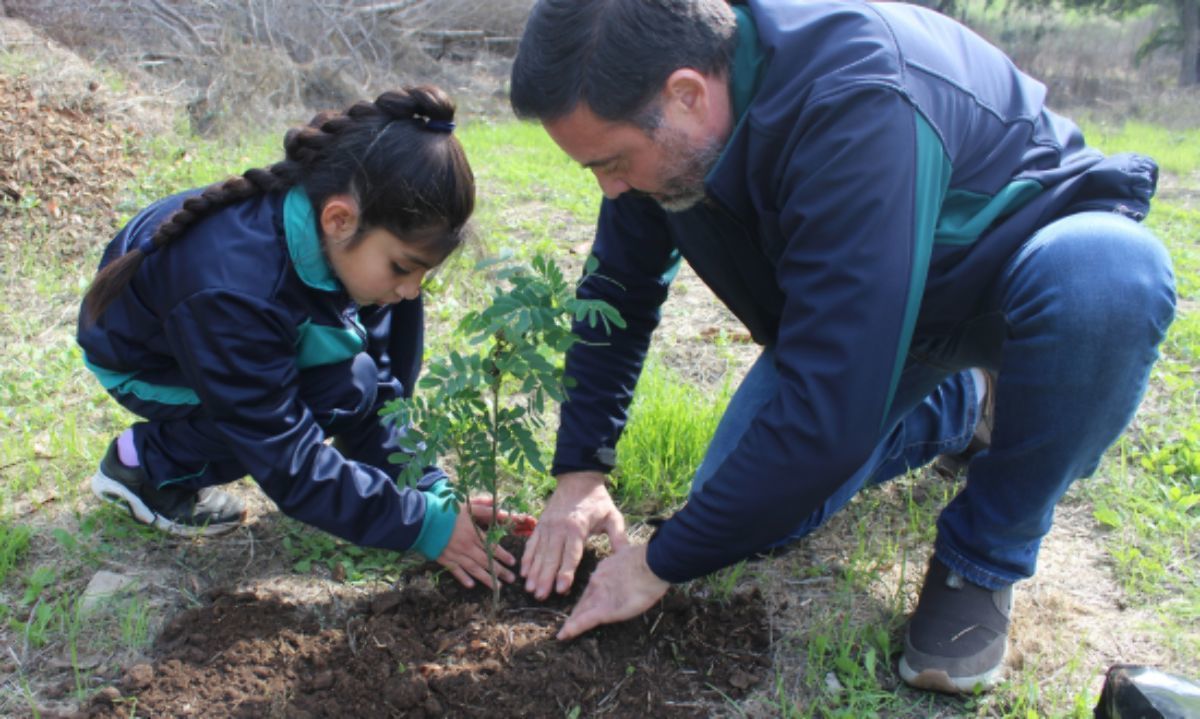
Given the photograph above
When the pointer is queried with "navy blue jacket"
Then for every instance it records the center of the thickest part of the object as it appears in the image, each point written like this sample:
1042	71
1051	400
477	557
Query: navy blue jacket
242	320
885	163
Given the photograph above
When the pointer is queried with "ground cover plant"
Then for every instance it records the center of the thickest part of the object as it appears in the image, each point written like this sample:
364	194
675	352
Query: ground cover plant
278	619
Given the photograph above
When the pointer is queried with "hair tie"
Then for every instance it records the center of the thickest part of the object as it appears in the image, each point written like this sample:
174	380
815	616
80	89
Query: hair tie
439	126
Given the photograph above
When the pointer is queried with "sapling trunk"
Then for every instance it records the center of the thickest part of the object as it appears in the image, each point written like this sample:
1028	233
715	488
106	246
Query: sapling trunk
493	470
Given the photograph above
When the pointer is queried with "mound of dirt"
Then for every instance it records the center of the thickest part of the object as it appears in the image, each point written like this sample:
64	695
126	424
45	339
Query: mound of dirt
432	650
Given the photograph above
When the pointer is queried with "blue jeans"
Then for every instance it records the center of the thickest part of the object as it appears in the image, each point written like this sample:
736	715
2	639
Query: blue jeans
1070	328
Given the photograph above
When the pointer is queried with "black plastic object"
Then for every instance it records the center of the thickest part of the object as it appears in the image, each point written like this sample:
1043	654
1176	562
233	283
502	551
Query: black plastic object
1136	692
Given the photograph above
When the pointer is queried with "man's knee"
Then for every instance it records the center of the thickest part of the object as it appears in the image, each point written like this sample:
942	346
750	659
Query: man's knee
1096	277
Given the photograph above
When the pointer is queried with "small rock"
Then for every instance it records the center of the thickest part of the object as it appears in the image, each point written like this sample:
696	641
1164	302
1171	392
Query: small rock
103	586
139	676
432	706
742	679
832	685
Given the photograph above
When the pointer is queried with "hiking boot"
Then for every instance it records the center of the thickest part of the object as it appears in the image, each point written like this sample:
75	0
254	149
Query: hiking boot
950	466
958	636
183	512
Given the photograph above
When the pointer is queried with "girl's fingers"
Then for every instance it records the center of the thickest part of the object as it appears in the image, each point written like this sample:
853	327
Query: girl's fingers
463	578
504	555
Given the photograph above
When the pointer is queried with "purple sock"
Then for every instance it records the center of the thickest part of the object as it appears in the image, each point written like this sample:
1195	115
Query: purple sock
126	452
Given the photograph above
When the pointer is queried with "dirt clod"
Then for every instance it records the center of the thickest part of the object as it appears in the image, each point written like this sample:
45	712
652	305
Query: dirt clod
139	676
106	696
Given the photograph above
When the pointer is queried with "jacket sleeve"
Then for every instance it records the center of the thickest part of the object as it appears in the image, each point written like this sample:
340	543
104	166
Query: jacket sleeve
636	262
857	200
238	354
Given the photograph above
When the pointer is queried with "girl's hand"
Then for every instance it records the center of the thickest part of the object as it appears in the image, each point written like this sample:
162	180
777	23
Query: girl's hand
465	555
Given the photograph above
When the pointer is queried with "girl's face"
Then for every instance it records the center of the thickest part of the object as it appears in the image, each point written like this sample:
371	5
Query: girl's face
378	269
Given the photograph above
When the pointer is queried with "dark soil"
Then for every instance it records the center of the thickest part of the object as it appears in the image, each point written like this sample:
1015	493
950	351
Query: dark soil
433	649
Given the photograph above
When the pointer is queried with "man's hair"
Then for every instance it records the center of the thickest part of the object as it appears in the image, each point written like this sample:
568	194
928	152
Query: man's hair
615	55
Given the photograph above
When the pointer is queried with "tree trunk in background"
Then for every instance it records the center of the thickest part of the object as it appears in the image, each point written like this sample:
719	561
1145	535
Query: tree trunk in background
1189	19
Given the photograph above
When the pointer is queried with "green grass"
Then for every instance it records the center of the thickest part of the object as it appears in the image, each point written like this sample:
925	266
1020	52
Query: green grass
14	543
1176	151
520	164
179	162
669	428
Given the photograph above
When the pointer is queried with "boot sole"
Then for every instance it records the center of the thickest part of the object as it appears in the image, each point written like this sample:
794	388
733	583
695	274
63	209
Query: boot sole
110	490
939	681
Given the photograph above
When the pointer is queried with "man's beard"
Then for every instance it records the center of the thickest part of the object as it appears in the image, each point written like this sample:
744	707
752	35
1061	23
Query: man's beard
683	178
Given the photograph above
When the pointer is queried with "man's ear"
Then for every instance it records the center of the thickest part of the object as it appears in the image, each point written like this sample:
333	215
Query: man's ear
697	104
339	218
686	91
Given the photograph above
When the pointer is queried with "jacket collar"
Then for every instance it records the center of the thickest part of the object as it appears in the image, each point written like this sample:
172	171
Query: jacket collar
749	61
304	244
745	76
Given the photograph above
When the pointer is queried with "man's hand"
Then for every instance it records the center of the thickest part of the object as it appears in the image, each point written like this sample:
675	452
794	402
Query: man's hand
621	588
579	508
465	555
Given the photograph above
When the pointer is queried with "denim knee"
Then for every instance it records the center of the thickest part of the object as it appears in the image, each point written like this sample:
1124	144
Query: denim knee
1097	282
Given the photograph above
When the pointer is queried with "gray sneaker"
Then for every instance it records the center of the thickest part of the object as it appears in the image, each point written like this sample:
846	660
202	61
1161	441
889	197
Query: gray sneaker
187	513
958	636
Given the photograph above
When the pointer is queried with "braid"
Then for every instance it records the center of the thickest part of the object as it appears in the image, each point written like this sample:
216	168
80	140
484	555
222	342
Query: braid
111	280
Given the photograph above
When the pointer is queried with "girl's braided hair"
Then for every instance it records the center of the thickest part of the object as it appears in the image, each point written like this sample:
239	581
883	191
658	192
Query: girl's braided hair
395	156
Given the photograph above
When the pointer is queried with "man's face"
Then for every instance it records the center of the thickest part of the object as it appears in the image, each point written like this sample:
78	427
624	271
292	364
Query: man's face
667	164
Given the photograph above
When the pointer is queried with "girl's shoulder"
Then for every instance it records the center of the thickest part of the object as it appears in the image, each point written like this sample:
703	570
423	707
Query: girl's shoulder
239	248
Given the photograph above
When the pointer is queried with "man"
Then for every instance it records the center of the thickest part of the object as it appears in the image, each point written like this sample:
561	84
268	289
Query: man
885	202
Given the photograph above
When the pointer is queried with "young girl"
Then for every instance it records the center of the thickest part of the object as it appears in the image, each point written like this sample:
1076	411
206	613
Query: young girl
248	321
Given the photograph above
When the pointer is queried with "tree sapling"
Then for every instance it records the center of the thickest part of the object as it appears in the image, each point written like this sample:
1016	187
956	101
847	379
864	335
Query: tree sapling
483	407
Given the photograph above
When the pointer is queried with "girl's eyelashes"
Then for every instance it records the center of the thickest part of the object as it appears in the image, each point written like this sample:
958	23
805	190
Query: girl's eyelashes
398	270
